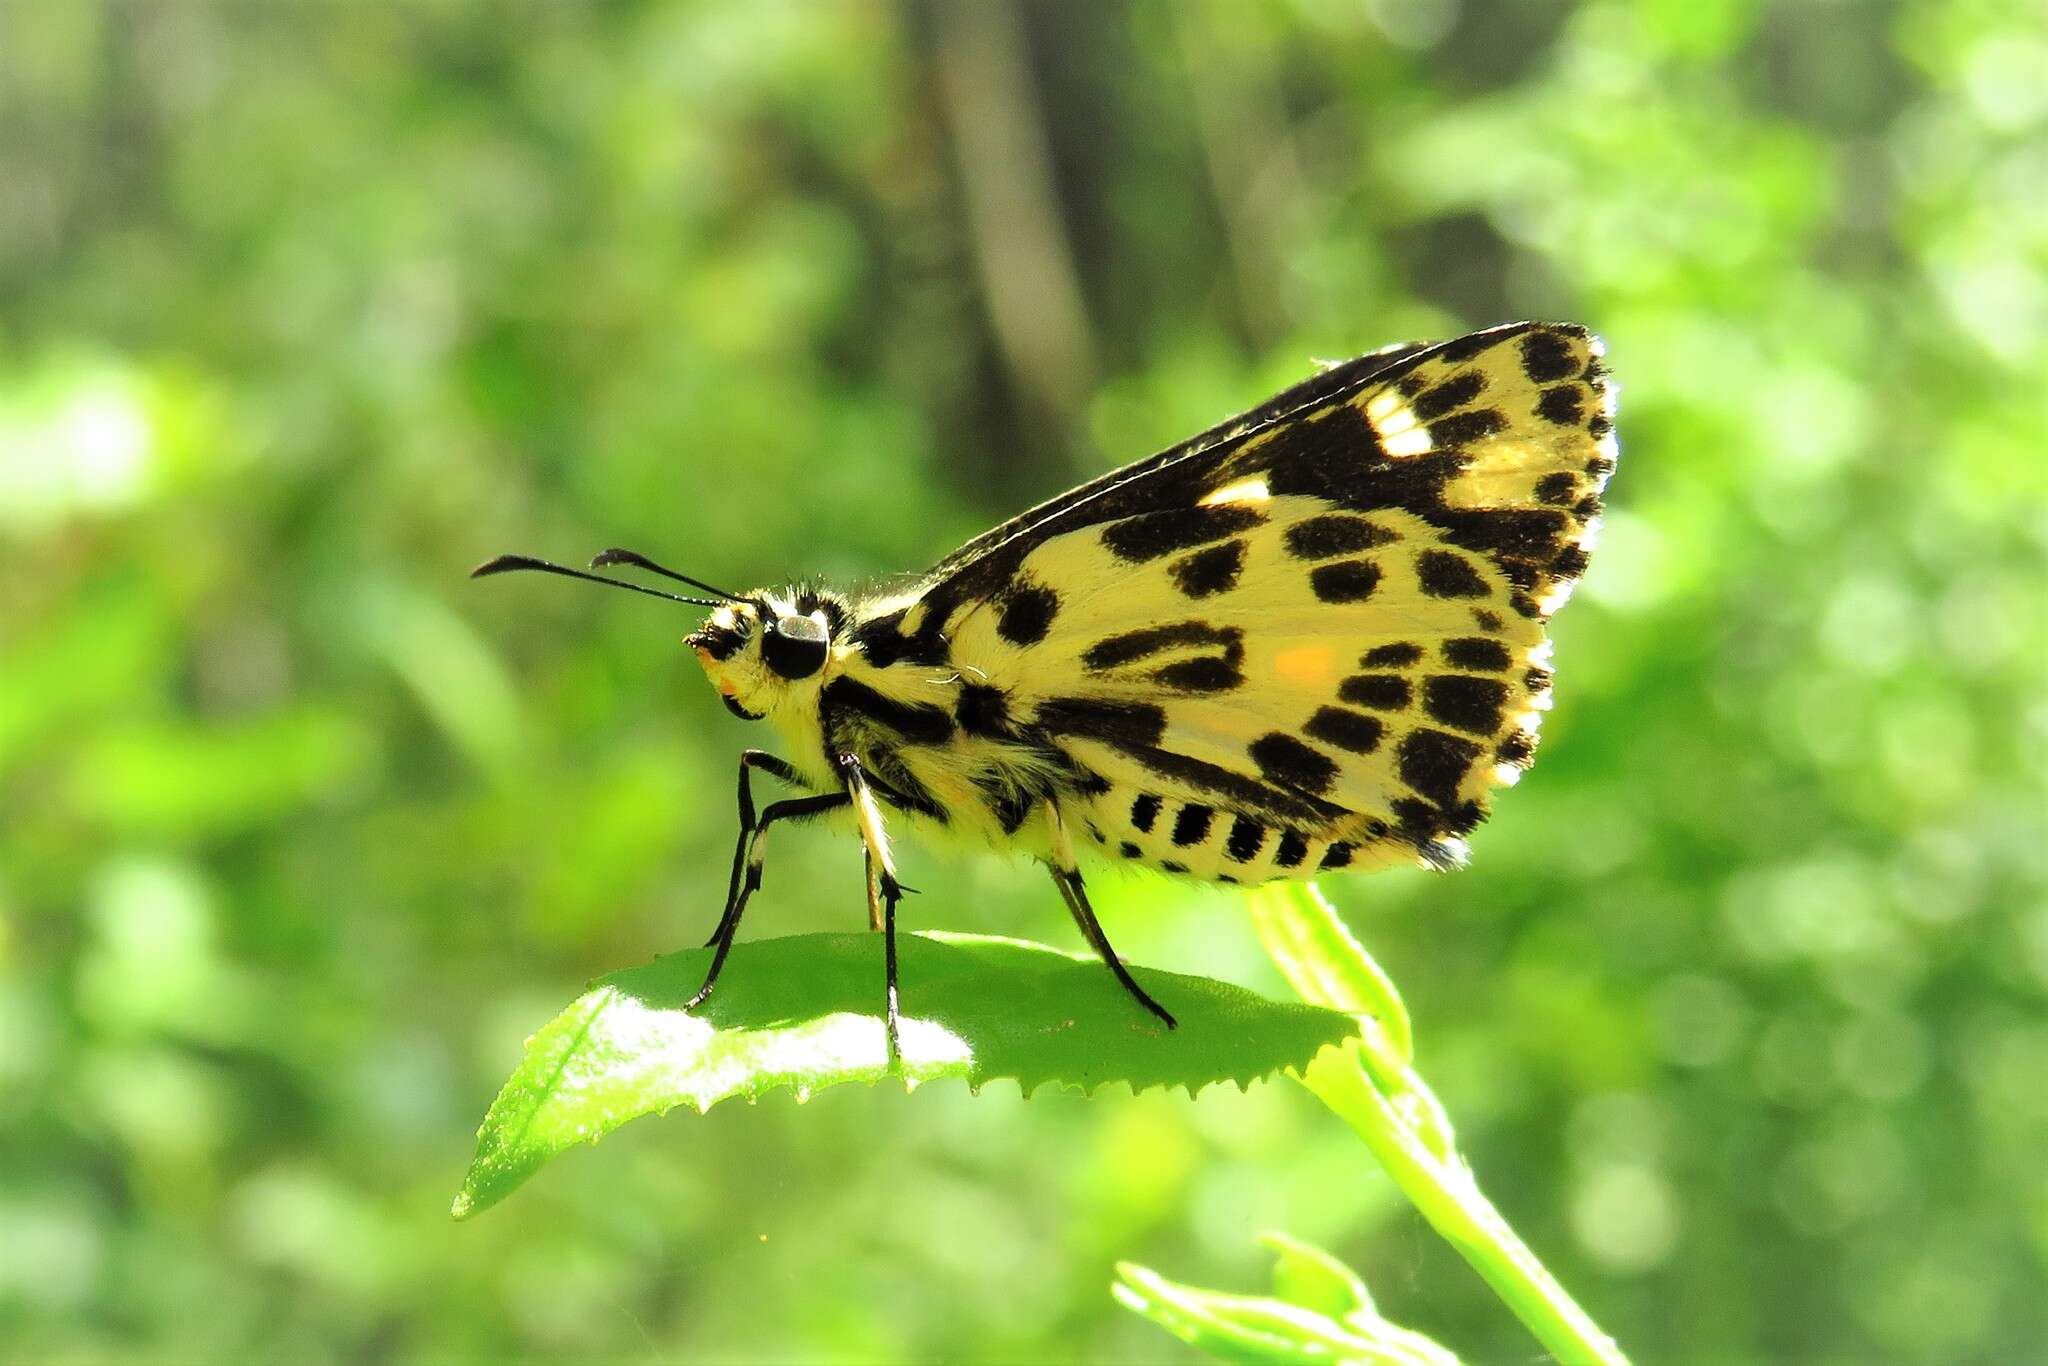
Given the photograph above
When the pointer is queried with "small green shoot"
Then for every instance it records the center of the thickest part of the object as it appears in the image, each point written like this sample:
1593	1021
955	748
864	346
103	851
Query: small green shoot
1319	1311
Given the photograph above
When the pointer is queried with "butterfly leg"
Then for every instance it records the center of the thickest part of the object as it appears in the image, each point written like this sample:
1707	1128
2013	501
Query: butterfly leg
882	899
775	768
883	888
1069	881
1067	874
747	876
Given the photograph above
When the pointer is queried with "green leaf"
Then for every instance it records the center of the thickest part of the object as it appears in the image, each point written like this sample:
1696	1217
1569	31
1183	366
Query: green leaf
806	1012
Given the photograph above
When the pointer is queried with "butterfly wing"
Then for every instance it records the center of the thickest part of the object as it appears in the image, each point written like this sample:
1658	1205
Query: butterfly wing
1135	486
1314	636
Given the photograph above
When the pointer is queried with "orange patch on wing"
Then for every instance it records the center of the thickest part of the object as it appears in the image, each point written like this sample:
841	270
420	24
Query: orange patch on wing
1306	664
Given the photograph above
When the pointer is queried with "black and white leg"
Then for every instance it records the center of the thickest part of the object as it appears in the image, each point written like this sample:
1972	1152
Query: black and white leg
882	886
774	768
746	878
1068	878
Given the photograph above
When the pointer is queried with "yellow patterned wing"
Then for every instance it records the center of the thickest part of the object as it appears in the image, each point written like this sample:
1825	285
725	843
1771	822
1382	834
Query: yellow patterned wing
1315	638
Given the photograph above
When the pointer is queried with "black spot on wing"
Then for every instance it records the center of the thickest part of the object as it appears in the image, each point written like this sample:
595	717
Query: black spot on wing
1246	838
1485	620
1476	652
917	722
1461	819
1337	458
1518	748
1547	357
1287	762
1381	692
1144	813
1208	572
1420	822
1464	701
982	710
1425	825
1434	763
1153	534
1563	405
1123	724
1344	581
1027	613
1346	729
1293	849
1191	826
1462	429
1113	652
1442	574
1334	534
882	642
1453	393
1557	489
1204	674
879	635
1129	850
1394	656
1338	855
1570	562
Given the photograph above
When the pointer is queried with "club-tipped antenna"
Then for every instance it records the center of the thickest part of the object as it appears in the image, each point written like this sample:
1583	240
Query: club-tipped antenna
633	557
505	564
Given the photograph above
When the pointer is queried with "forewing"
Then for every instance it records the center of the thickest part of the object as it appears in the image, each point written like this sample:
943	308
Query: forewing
1148	483
1319	640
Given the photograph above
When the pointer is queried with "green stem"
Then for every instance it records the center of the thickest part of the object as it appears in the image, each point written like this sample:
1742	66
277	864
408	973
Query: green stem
1372	1087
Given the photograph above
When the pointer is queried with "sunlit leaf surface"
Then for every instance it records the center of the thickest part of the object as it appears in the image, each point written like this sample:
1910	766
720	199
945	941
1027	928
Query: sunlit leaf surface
805	1012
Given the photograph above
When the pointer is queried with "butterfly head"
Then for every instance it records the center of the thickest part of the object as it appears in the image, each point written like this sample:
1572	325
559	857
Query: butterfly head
766	651
762	651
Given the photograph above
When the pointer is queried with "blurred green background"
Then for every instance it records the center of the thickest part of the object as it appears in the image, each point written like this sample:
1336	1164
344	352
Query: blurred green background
305	309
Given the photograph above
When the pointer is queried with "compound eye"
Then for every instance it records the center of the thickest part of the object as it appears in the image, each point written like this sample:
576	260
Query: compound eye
795	646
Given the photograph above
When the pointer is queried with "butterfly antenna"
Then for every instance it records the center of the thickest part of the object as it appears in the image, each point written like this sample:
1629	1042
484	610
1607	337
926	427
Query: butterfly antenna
636	559
504	564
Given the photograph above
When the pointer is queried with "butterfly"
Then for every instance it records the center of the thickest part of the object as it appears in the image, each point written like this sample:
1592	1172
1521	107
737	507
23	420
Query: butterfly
1309	639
